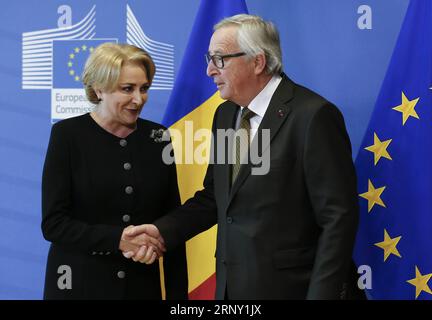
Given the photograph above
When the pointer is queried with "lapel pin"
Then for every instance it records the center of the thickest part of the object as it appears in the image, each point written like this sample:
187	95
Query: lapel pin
281	113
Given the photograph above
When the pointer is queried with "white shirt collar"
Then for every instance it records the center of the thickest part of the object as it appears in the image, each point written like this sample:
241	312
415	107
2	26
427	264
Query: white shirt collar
260	103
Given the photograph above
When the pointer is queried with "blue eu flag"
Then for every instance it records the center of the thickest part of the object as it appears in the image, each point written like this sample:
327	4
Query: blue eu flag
69	60
394	167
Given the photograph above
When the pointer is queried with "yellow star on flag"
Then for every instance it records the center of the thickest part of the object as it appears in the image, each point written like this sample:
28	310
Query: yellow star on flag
76	78
77	49
84	47
71	56
373	196
407	108
91	49
389	245
379	149
71	72
420	282
70	64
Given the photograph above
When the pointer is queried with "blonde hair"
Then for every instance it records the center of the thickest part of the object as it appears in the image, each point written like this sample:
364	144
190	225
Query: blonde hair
254	36
102	68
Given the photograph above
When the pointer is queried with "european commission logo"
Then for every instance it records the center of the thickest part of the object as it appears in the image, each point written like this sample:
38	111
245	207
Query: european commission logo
68	97
54	59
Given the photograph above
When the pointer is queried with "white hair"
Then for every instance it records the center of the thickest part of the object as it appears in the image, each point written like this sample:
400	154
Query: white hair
256	36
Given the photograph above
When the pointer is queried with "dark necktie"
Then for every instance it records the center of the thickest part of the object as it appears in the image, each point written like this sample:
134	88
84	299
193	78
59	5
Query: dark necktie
241	146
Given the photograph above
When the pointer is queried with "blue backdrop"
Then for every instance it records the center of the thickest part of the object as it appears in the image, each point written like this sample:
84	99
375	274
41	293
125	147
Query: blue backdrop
339	48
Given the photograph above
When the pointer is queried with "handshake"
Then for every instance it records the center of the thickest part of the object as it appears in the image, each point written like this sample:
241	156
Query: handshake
142	243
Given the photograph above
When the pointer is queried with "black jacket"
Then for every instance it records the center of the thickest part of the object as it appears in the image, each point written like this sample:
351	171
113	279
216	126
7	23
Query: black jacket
85	208
288	234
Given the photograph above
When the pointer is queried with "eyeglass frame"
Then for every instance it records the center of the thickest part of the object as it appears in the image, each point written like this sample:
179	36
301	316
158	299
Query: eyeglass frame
221	58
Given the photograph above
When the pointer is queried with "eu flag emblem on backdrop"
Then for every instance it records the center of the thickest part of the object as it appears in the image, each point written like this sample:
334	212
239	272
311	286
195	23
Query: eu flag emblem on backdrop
69	57
193	101
394	167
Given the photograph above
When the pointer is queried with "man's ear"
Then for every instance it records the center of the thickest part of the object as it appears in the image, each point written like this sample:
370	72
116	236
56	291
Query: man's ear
260	63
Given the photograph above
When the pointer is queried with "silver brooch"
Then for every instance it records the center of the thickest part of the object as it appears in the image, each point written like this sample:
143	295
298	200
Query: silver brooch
159	135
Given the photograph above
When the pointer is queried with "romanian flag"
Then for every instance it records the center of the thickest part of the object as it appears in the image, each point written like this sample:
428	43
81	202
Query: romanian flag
394	168
191	107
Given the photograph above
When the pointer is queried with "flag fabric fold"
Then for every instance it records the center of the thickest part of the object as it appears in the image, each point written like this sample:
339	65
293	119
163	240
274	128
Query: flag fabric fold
394	167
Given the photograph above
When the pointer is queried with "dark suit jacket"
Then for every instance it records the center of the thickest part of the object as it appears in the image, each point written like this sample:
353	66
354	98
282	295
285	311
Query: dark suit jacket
85	209
288	234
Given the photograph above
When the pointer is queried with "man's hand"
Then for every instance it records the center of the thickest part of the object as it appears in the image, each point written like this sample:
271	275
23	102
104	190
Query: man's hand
145	255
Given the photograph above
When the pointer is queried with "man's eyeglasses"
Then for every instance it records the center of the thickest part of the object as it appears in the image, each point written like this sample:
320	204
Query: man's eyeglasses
218	59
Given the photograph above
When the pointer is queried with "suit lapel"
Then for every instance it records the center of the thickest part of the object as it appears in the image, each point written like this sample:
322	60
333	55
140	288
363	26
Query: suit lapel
275	115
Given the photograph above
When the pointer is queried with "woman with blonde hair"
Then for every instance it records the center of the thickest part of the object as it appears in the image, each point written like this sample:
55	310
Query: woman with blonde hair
104	172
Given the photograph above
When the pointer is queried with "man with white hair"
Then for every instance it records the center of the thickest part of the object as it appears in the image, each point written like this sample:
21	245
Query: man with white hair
287	234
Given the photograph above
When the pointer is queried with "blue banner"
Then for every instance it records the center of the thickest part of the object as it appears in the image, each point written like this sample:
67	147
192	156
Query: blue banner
394	169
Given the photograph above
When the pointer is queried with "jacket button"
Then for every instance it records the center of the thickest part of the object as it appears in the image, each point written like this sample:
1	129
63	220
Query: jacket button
128	189
123	142
126	218
229	220
127	166
121	274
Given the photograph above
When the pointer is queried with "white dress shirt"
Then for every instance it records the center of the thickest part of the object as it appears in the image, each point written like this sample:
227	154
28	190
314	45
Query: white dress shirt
259	105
